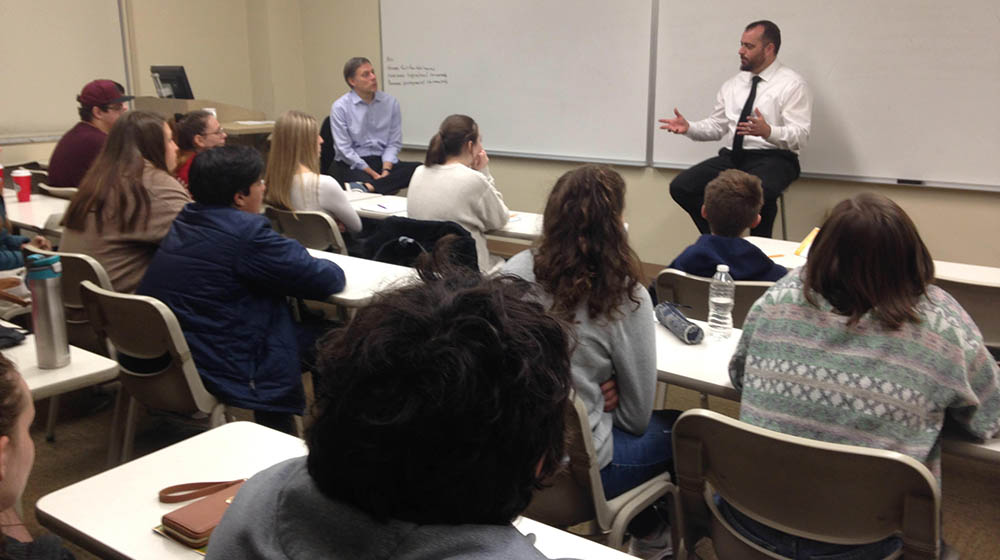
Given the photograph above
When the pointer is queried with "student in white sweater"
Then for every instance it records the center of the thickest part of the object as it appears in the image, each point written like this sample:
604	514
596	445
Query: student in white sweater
455	184
293	178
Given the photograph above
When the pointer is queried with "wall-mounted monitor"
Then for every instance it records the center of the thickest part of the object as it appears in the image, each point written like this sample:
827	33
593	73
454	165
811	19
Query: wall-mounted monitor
171	81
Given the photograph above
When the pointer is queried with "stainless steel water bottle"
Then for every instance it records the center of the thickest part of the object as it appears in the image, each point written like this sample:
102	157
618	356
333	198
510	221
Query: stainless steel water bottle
45	282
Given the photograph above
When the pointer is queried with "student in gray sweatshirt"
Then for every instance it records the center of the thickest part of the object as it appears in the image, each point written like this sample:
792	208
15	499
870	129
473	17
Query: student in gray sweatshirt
591	277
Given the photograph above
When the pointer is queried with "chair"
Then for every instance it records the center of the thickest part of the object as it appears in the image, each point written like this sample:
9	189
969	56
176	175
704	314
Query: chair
980	302
687	289
823	491
314	230
58	192
575	494
401	241
156	366
76	268
327	151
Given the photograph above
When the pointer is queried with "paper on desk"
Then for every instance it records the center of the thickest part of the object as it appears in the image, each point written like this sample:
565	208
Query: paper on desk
254	123
386	205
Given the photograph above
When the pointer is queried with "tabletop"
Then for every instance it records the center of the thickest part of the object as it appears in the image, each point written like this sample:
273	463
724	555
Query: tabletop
521	225
783	253
34	213
83	370
365	278
112	514
704	367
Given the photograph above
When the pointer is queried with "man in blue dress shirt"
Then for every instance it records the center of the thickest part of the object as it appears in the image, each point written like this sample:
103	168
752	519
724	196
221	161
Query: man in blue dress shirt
368	133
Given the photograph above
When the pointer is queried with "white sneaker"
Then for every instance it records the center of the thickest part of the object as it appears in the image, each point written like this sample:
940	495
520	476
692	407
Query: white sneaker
653	547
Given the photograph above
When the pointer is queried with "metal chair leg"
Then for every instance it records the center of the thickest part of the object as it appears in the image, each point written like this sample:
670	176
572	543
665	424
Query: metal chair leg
784	220
50	423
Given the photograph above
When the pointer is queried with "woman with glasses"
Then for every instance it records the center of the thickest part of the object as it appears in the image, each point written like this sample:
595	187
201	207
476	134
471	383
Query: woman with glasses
293	178
127	200
195	132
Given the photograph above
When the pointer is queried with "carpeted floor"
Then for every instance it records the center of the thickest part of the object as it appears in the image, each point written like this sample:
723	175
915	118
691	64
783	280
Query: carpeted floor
971	510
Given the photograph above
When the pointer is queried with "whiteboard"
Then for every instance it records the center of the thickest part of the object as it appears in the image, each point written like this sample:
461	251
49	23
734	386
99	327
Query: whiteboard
547	78
48	51
903	89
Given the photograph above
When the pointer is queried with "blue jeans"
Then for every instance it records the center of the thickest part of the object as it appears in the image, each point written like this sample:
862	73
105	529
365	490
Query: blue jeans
637	459
799	548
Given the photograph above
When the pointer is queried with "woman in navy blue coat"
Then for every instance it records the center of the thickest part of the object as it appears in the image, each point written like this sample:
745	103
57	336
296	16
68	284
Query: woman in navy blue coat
226	274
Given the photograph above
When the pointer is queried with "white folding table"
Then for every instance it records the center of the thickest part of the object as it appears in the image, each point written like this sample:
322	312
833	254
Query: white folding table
112	514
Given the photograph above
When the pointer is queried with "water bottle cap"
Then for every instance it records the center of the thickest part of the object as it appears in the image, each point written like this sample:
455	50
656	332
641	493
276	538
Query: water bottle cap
722	268
41	267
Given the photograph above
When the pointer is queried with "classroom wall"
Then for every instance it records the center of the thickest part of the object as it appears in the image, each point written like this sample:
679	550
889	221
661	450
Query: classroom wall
210	39
272	55
957	225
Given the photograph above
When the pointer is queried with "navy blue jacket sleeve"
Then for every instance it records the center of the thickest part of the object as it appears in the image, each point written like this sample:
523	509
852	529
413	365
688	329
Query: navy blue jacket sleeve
277	264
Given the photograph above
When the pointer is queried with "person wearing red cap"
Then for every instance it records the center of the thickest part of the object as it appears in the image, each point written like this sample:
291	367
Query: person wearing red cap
101	103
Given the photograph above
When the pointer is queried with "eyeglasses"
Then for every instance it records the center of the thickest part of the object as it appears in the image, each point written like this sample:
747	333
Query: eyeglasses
220	132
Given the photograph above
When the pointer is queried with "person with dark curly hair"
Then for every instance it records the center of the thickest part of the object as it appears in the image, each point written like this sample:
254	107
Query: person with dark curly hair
440	407
590	276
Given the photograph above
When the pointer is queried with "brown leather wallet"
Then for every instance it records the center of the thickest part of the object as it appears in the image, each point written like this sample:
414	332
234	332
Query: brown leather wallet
193	524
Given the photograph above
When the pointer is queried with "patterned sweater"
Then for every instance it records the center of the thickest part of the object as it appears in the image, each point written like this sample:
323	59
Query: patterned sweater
803	372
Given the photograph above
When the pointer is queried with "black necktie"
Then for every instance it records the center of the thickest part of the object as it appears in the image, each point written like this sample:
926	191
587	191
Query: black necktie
747	107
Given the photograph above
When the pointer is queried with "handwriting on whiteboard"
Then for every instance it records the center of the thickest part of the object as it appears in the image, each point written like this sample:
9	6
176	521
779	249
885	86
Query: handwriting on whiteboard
397	74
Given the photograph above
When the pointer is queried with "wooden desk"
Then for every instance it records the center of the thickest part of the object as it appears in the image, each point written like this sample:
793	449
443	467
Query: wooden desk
365	278
113	513
34	213
240	128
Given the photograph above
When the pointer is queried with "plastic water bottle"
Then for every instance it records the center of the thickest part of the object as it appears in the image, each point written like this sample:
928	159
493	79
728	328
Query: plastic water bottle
720	304
44	280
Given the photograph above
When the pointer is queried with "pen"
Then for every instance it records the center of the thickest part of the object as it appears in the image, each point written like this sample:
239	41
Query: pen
383	206
774	256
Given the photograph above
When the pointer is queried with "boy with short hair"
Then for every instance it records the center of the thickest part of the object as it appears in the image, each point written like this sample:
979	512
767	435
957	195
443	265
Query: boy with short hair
732	205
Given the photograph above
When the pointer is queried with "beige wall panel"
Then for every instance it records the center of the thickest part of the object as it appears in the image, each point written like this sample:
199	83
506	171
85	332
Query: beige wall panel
334	31
210	39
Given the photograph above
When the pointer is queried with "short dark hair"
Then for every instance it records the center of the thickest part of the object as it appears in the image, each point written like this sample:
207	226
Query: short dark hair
442	402
219	173
189	125
352	65
732	202
868	256
86	115
771	32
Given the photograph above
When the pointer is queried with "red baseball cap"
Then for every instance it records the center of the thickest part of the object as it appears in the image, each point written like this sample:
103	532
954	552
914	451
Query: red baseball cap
102	92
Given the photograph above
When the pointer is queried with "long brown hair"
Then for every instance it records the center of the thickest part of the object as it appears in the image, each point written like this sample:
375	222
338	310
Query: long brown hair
869	256
584	255
451	138
114	181
293	143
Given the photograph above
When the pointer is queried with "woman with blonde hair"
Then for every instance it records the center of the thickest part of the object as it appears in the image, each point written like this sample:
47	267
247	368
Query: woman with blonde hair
293	178
127	200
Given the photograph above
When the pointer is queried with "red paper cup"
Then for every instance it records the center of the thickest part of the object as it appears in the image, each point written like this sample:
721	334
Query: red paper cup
22	182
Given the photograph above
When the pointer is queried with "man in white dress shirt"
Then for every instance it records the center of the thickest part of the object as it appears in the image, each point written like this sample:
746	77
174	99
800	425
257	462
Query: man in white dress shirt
764	112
